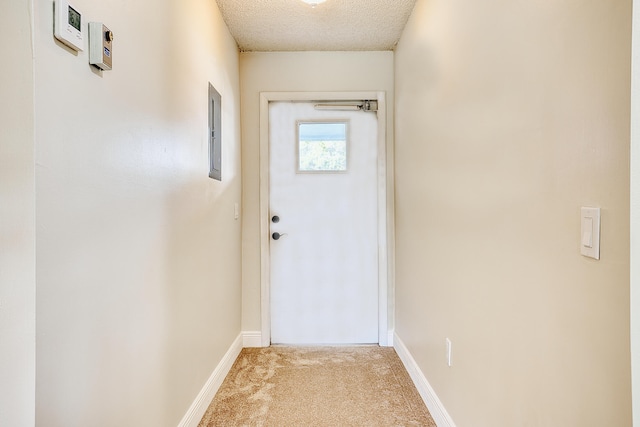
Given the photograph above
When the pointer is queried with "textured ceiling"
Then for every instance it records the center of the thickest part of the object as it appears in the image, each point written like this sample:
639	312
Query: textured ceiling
291	25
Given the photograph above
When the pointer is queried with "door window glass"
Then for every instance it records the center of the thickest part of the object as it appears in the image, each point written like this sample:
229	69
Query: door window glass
322	146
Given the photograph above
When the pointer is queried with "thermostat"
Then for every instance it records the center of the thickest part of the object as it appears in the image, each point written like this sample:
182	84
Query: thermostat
100	46
67	25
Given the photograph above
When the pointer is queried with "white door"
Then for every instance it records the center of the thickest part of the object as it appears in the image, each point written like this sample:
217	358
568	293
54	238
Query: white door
324	266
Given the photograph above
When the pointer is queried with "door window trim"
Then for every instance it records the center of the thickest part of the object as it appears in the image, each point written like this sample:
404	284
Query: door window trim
346	122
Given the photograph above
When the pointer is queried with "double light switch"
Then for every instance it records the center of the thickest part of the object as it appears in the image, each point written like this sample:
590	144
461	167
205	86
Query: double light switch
590	232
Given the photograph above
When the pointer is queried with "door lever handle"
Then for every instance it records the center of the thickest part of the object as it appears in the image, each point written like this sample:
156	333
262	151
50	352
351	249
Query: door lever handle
277	236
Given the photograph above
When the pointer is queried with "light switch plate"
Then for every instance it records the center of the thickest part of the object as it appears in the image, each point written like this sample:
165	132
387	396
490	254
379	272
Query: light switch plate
590	232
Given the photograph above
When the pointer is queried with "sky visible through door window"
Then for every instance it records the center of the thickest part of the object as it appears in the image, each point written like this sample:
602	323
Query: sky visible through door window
322	146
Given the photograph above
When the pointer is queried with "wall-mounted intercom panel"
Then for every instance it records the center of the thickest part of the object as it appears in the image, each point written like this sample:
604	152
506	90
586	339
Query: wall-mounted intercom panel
67	25
100	46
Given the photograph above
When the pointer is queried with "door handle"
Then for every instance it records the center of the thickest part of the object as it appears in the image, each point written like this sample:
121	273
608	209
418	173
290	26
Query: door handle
275	219
277	236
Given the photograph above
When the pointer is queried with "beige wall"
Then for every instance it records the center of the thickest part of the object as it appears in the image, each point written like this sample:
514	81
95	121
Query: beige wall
292	72
17	218
510	116
138	252
635	213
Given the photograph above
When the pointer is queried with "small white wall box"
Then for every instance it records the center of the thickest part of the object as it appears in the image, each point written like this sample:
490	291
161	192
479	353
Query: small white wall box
100	46
67	25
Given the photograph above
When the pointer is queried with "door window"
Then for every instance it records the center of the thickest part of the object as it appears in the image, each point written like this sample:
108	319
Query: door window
322	146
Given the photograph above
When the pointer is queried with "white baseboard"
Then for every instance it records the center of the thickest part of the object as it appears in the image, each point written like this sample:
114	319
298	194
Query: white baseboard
391	335
203	400
435	406
252	339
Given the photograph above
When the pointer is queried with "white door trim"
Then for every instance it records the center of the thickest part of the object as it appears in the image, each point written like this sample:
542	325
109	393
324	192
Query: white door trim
385	211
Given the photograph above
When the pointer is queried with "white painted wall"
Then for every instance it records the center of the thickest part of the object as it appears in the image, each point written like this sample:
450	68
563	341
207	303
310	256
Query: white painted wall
17	218
510	116
138	252
291	72
635	213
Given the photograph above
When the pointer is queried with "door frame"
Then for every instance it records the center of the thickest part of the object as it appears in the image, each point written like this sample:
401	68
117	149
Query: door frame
385	207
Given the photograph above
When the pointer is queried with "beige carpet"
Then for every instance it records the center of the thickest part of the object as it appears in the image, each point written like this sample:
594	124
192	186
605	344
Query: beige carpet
317	386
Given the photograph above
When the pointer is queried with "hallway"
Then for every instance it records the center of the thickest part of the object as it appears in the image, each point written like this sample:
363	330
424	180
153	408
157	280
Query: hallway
130	280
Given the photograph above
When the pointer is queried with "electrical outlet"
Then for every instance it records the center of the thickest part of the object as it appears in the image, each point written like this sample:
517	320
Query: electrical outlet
448	342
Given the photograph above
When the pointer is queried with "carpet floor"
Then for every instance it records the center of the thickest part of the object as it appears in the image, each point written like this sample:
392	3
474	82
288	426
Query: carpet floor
317	386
